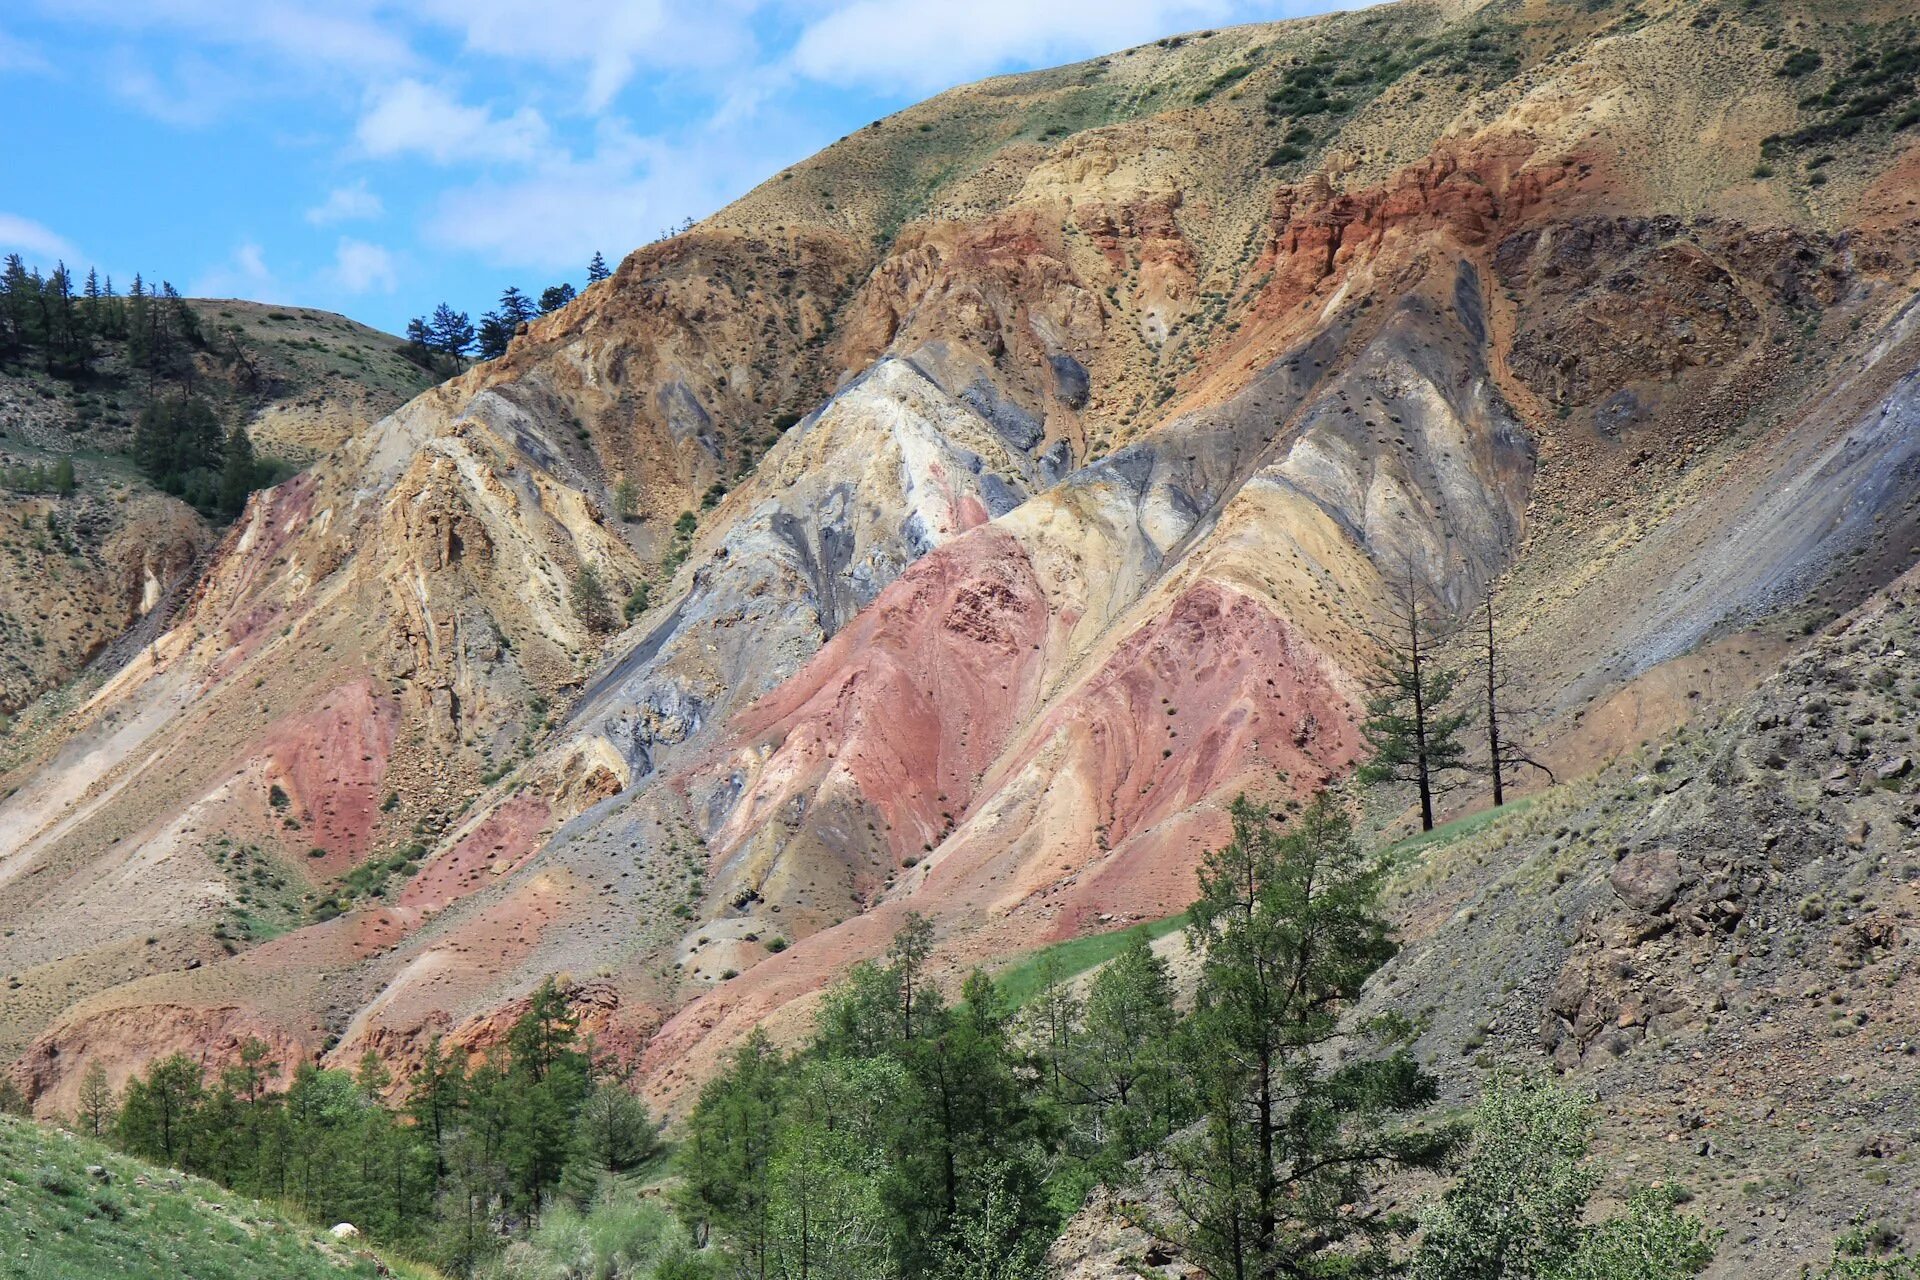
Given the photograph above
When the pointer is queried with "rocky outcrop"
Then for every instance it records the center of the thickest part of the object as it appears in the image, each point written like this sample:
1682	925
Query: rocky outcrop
1006	495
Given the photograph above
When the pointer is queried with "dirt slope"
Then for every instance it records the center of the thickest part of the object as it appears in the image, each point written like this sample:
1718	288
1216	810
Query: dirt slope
1011	484
80	571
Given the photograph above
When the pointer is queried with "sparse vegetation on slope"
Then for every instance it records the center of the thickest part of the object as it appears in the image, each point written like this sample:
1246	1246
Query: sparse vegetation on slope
1044	451
72	1209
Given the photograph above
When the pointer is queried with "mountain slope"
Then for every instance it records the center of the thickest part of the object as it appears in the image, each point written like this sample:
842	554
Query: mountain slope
81	570
74	1208
1012	484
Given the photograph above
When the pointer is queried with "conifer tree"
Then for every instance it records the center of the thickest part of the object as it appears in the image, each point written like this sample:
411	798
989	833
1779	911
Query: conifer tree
515	308
909	952
1297	1112
18	293
1125	1053
588	597
238	471
597	269
452	332
157	1116
493	336
728	1147
1505	752
1411	726
98	1105
616	1133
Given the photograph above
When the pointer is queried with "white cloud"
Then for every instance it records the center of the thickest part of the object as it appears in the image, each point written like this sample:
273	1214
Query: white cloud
244	274
411	118
556	218
925	47
18	55
187	90
359	267
347	34
620	195
346	204
610	39
32	240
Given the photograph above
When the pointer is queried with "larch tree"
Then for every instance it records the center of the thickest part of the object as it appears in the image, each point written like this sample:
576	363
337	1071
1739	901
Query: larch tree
1299	1110
1412	728
97	1102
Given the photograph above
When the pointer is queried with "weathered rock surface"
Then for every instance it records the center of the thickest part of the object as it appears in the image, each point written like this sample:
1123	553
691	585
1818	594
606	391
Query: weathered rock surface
1012	485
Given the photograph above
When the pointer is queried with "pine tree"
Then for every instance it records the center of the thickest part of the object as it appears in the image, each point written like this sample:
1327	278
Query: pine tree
909	951
239	470
158	1114
176	437
1413	733
597	269
515	308
1504	749
452	332
1125	1061
616	1133
589	600
546	1081
554	297
438	1093
18	301
493	336
726	1153
1054	1018
176	333
98	1105
968	1126
1297	1112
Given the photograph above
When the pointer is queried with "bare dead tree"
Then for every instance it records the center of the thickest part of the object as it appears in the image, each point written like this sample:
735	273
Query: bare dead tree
1504	751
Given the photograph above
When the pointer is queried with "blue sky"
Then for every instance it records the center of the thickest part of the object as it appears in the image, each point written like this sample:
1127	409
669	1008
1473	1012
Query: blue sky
375	157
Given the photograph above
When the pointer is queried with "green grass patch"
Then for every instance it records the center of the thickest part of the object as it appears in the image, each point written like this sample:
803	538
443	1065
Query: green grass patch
1402	851
132	1221
1023	980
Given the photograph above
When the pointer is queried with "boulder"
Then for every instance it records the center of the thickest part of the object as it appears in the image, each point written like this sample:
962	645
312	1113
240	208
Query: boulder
1647	880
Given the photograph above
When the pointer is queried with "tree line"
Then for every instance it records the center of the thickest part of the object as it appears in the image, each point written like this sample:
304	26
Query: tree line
912	1137
179	442
918	1134
453	334
61	324
477	1151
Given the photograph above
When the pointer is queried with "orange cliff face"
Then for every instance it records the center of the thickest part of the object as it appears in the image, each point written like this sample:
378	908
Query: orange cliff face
1041	493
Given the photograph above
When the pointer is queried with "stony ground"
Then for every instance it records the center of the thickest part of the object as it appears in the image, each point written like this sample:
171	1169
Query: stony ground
982	503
